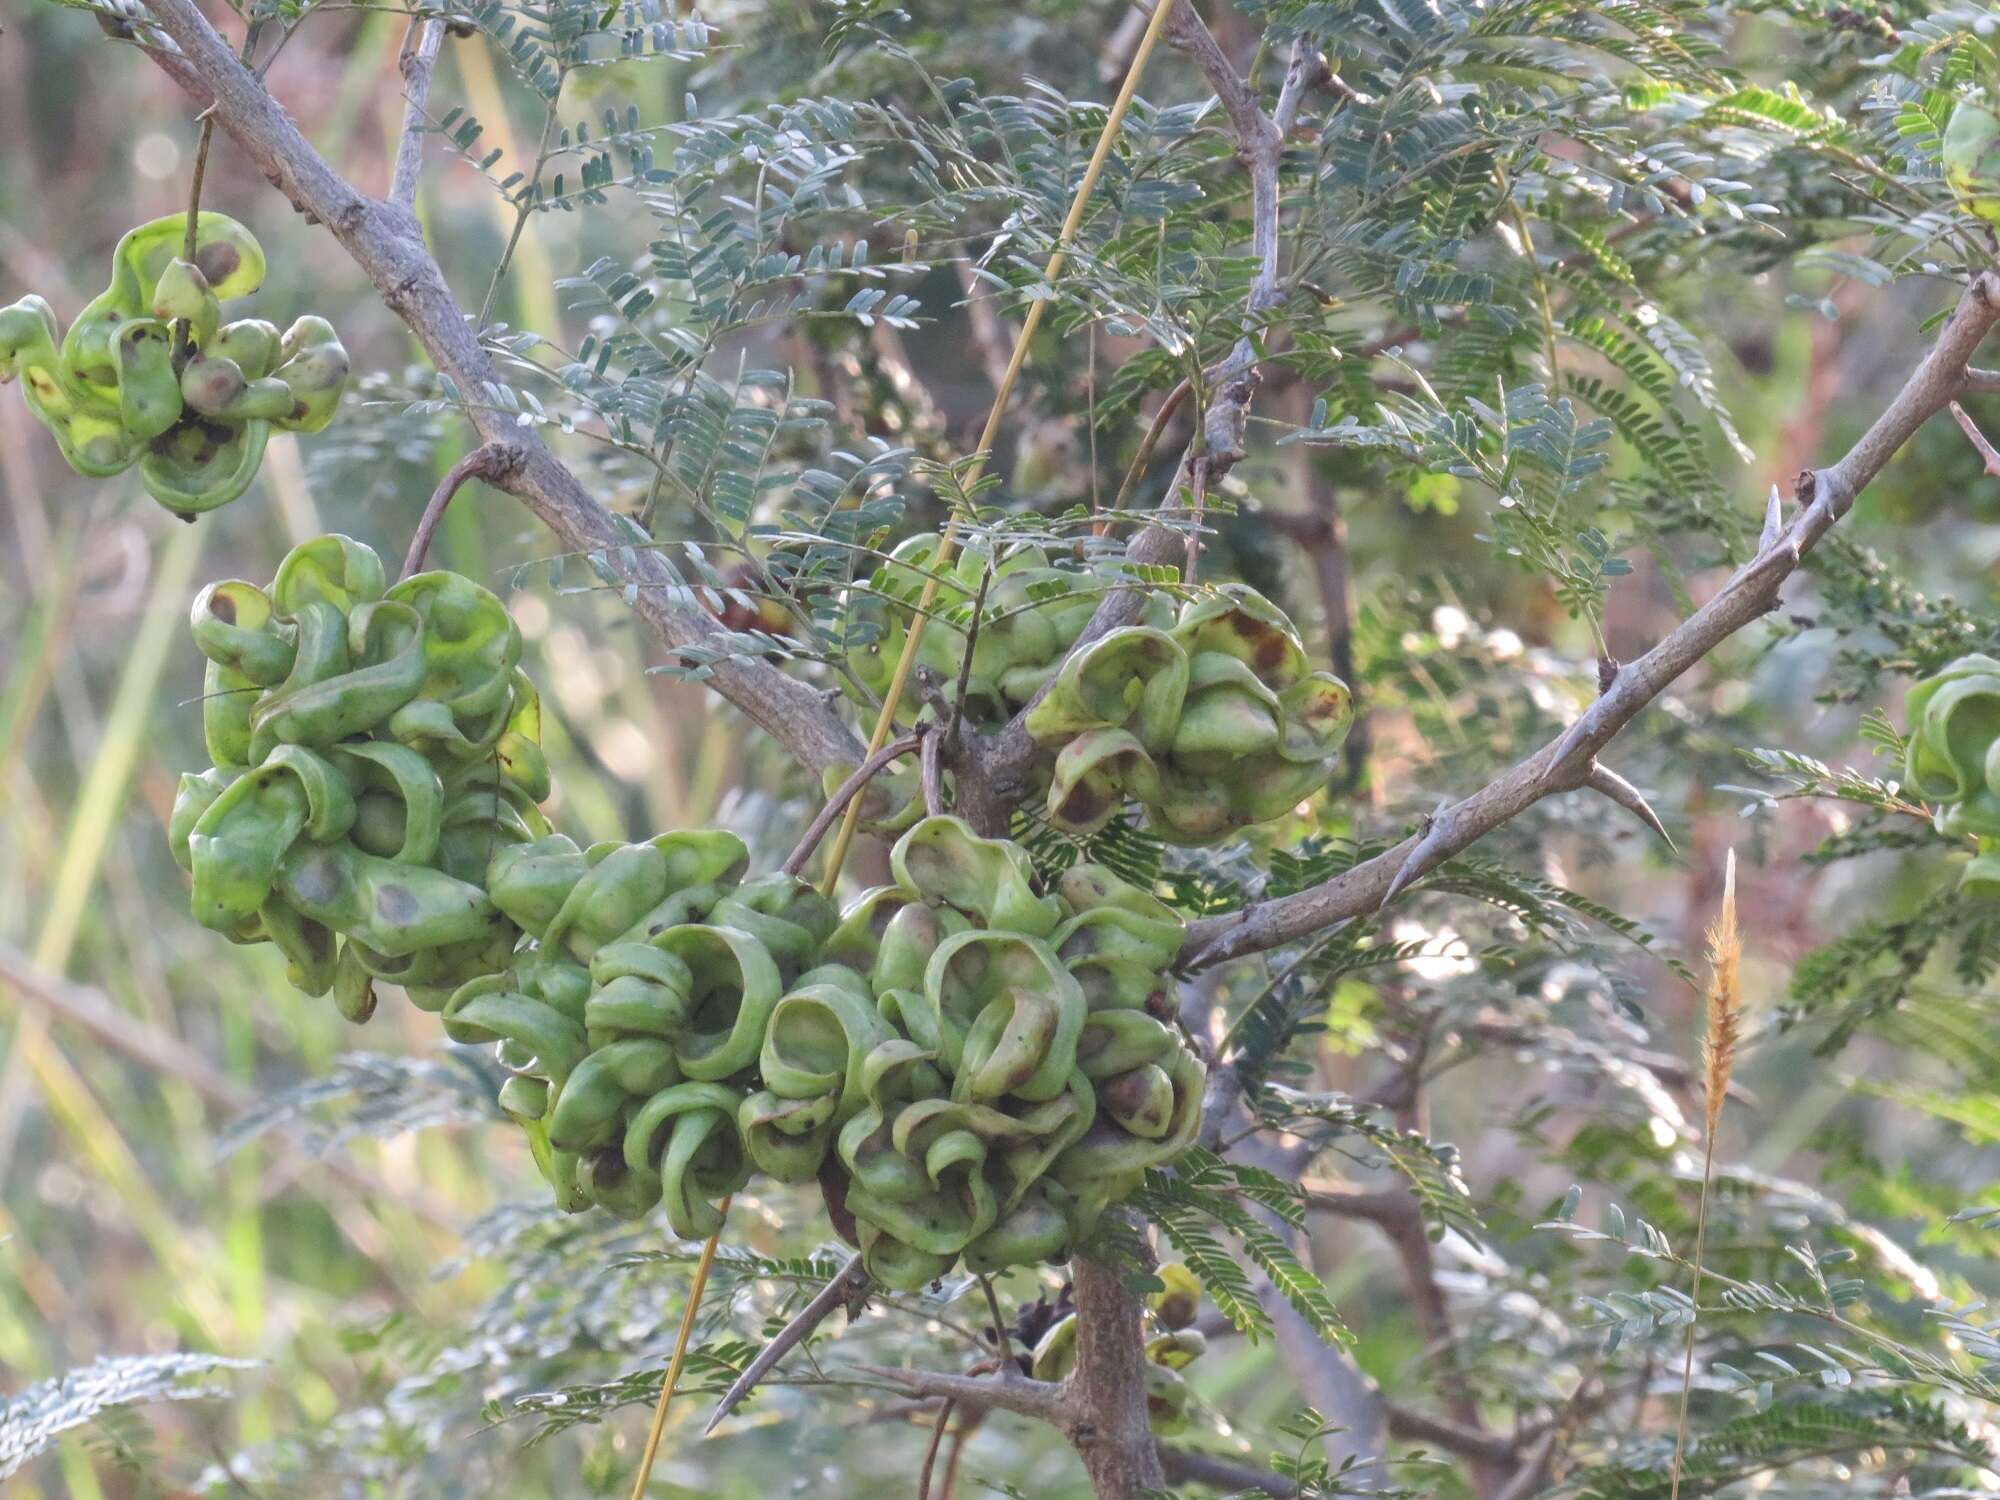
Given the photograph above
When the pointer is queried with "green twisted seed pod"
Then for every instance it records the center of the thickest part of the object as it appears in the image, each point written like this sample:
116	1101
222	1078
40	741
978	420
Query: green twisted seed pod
1116	1041
1093	775
603	1178
593	1102
239	843
149	395
227	255
1228	713
1954	721
1037	1229
1054	1354
942	859
1120	984
531	881
217	387
392	908
331	569
623	882
1110	1151
734	986
231	622
194	796
470	647
1971	160
972	970
857	938
1115	919
354	988
399	800
1133	678
1178	1302
251	344
687	1135
202	465
787	1138
637	989
311	950
784	913
350	676
545	1043
908	942
183	294
312	370
1169	1400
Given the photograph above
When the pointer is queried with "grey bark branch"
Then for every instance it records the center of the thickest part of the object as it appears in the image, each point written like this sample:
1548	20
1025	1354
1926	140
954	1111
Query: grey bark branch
1825	496
418	64
386	241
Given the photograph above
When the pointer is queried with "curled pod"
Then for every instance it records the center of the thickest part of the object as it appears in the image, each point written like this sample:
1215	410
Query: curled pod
540	1041
1110	1155
686	1135
240	842
392	908
734	985
469	647
1133	678
988	988
201	464
992	880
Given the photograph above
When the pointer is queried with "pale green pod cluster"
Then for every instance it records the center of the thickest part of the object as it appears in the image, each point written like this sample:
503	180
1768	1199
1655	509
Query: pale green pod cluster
1031	613
1211	725
1952	760
195	413
971	1068
1971	158
1205	711
373	746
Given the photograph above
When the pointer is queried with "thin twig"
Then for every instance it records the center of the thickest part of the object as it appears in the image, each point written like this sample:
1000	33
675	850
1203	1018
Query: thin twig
1144	455
1986	450
945	1409
849	789
492	462
418	64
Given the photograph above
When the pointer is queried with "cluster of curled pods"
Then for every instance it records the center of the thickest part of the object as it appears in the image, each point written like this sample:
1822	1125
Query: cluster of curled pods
972	1063
1205	712
149	374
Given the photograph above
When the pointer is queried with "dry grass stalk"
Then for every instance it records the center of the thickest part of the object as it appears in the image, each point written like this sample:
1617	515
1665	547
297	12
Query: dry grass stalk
1721	1035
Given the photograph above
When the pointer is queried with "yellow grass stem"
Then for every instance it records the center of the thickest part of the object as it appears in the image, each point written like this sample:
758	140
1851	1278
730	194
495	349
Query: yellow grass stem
1091	172
1721	1034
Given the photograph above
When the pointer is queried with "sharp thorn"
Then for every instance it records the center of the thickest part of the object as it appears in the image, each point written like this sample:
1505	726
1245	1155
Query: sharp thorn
850	1279
1568	740
1607	782
1774	522
1419	859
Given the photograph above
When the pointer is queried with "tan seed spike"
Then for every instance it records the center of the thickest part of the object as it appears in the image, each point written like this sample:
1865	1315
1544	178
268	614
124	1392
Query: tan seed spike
1724	1029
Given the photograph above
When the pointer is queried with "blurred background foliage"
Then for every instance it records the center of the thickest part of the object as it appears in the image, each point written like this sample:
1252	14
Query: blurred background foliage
198	1161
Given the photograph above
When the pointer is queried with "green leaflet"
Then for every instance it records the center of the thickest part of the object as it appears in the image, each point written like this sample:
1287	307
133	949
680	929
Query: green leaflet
118	390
